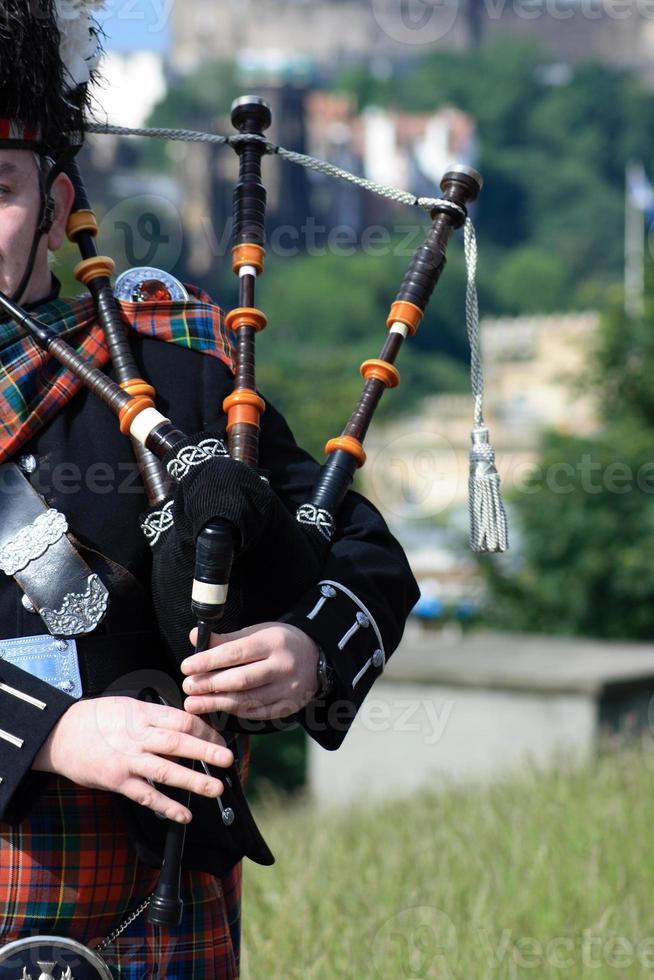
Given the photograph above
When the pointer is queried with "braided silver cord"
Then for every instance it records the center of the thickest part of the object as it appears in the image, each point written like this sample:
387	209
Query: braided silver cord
472	320
186	135
301	159
488	524
382	190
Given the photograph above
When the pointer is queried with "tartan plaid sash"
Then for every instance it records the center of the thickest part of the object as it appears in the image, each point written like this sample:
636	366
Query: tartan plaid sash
34	386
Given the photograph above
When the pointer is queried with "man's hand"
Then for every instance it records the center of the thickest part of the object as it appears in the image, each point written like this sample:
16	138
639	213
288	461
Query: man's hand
118	743
260	672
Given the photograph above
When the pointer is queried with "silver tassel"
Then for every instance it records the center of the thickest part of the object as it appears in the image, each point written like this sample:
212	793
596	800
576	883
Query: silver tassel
488	524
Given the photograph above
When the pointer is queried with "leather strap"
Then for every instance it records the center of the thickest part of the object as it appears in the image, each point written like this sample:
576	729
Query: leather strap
34	549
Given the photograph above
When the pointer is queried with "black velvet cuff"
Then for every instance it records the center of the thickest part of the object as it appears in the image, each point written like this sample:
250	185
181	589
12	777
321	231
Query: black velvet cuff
344	628
29	710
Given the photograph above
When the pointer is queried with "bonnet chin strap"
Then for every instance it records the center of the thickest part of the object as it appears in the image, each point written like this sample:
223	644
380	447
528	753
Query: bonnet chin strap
47	208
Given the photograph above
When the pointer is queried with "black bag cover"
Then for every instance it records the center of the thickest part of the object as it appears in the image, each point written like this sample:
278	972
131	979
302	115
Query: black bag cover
266	533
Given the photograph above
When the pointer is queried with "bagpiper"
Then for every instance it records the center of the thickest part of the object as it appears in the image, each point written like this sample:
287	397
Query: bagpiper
97	573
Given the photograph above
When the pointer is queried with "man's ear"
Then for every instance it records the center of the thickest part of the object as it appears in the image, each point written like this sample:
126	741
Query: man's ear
63	195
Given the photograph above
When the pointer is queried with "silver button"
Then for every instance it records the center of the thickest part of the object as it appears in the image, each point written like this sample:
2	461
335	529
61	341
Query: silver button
362	619
27	603
328	591
28	463
377	658
66	685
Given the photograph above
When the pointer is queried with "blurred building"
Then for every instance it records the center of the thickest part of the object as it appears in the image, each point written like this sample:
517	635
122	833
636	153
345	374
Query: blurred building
387	32
131	87
532	368
417	470
410	150
334	32
400	149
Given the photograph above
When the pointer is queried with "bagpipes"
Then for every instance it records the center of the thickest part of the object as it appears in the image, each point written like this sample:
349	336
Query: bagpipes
208	502
219	503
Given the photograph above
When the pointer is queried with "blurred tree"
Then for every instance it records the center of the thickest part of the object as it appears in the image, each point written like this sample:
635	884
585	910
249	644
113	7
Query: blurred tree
623	364
554	141
192	101
279	761
583	527
327	315
583	524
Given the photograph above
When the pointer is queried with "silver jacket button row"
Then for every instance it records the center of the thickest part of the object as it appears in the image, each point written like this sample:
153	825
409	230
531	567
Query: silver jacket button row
361	622
377	660
326	592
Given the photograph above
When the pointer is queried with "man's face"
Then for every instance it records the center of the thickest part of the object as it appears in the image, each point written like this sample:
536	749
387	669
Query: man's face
20	199
19	209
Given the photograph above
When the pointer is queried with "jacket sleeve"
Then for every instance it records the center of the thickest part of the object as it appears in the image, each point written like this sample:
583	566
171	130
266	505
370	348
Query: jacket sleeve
29	710
356	612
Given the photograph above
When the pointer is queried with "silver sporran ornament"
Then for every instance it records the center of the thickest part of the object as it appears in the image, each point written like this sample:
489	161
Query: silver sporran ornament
51	958
47	972
145	284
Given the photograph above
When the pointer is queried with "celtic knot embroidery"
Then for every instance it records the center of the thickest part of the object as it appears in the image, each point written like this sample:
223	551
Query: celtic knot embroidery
157	523
191	456
316	517
32	541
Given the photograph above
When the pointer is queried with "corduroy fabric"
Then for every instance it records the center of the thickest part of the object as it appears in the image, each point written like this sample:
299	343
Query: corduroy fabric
69	869
34	386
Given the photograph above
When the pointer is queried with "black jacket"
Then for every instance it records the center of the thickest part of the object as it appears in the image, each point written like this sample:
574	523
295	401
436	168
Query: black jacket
86	469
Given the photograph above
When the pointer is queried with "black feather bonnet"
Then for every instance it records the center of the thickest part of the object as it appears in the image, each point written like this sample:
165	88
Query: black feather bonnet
48	53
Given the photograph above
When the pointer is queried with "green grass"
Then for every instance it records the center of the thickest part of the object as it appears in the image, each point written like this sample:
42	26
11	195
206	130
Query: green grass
540	877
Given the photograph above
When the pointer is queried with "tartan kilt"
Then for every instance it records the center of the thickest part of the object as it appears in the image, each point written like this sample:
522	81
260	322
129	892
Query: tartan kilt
69	869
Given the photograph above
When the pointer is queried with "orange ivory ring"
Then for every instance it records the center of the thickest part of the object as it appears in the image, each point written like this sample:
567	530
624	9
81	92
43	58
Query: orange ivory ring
350	445
137	386
246	316
133	408
81	221
99	265
248	255
243	405
382	371
407	313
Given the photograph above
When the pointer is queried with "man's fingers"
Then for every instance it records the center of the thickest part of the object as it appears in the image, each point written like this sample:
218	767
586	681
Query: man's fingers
162	741
232	680
168	773
231	649
259	704
141	792
177	720
234	654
